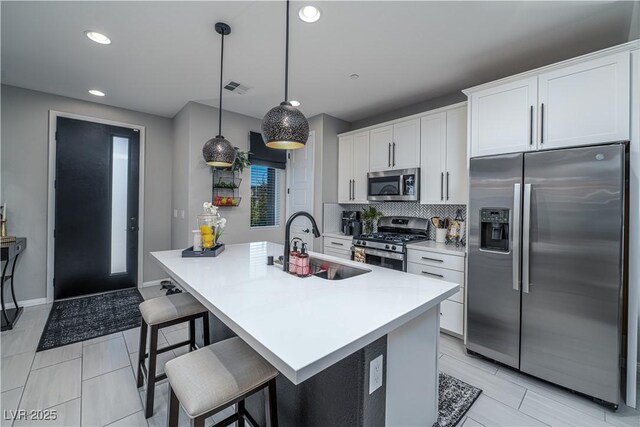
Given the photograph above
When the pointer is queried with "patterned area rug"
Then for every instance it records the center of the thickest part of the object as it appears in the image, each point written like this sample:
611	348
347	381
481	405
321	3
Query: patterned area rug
454	400
90	317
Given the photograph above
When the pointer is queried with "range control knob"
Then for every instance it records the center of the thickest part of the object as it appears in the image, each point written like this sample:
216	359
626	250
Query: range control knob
357	242
364	243
393	248
386	246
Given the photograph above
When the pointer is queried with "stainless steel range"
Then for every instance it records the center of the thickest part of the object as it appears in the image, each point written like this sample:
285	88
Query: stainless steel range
387	248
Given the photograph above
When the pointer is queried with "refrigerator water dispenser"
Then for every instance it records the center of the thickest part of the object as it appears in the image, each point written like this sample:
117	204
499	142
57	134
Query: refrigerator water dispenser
494	229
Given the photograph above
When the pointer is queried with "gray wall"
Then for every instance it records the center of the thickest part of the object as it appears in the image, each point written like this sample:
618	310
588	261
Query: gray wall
420	107
201	122
25	134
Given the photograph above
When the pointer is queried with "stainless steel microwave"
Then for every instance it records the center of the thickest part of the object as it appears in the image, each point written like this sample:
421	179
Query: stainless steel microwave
394	185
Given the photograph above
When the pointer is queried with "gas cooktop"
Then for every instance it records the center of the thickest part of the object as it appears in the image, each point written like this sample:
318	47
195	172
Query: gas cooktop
396	238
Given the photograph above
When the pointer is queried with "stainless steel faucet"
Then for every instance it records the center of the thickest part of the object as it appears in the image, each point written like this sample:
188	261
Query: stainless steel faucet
287	235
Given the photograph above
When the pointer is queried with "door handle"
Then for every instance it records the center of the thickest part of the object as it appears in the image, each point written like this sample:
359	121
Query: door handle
393	161
441	186
354	189
531	125
350	196
526	235
337	244
447	185
432	259
542	123
517	200
389	156
432	274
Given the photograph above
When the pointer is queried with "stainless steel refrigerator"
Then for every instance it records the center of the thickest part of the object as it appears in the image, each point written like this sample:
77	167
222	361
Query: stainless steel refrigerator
547	270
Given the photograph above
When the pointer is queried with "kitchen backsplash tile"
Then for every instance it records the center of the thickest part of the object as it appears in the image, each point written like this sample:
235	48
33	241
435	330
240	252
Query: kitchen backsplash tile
333	212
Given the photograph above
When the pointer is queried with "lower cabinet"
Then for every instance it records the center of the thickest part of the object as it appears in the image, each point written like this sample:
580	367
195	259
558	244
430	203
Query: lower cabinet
337	246
441	266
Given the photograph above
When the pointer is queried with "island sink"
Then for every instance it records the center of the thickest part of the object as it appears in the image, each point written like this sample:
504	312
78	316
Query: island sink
331	270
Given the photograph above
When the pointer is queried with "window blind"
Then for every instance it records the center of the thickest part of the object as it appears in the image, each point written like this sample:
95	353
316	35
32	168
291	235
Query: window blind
265	197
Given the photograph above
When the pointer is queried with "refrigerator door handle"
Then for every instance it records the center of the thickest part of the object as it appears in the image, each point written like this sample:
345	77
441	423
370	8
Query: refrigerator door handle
517	220
526	230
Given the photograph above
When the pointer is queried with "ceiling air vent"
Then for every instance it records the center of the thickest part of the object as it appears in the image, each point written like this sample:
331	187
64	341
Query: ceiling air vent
236	87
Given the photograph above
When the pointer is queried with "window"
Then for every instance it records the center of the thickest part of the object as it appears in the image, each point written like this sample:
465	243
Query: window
265	197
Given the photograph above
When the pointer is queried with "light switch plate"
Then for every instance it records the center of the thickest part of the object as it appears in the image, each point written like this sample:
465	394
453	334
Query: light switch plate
175	213
375	374
181	214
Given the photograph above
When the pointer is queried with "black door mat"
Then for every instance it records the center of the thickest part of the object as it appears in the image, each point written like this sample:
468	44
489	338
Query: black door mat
454	400
81	319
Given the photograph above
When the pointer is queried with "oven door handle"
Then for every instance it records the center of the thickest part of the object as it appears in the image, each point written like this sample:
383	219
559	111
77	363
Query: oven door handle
383	254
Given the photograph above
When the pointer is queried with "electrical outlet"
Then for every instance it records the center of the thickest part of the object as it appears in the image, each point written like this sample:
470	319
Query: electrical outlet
375	374
175	213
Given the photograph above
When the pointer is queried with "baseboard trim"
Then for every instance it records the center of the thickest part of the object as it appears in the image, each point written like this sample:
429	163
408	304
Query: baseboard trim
153	282
27	303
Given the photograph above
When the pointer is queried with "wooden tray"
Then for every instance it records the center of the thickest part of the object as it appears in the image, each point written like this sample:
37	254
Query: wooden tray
215	251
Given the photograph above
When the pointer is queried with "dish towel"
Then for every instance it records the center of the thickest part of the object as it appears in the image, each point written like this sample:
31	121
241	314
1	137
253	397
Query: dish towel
358	255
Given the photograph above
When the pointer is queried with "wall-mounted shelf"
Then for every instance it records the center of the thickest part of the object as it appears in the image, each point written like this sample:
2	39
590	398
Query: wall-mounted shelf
226	188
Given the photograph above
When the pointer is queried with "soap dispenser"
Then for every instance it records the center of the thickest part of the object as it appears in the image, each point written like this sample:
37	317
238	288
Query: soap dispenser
293	258
303	261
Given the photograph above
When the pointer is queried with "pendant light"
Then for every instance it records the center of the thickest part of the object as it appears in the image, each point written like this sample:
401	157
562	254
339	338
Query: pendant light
218	152
284	126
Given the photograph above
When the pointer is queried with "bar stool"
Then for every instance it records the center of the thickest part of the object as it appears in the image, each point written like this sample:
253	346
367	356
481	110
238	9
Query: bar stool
217	376
158	313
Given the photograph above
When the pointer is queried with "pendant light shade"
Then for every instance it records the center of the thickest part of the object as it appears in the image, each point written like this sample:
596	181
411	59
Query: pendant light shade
218	152
284	126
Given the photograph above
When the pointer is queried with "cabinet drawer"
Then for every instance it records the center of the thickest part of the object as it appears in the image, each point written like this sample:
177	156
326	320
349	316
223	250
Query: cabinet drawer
336	243
452	316
337	253
441	274
436	259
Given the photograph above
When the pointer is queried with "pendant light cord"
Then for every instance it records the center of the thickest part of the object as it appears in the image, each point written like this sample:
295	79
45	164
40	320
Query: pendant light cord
221	64
286	60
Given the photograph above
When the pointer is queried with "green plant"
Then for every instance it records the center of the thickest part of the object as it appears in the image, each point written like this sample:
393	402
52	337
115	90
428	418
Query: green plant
369	215
241	161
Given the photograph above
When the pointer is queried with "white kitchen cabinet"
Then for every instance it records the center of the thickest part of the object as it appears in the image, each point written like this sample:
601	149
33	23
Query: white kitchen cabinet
405	147
443	172
586	103
380	148
353	166
438	261
395	146
338	246
503	118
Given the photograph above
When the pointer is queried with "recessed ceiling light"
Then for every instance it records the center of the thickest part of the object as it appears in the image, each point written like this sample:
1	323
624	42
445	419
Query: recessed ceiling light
309	13
96	92
97	37
354	76
294	103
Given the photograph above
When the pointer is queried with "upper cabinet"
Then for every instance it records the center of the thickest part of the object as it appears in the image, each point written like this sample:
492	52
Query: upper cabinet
503	118
575	103
443	175
353	166
395	146
586	103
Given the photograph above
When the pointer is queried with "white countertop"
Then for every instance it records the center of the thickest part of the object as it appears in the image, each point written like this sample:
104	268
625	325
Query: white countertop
337	235
302	326
443	248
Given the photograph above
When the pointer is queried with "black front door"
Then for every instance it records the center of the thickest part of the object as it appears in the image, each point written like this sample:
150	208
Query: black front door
96	208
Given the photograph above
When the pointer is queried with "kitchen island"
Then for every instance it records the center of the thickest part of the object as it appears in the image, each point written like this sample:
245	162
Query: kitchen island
304	326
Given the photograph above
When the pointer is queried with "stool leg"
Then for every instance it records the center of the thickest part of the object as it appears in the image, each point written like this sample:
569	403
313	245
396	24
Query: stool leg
240	411
174	409
205	328
151	373
273	404
198	422
142	349
192	334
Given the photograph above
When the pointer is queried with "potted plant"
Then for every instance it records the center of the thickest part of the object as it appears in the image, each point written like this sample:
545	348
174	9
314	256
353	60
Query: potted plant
369	216
241	161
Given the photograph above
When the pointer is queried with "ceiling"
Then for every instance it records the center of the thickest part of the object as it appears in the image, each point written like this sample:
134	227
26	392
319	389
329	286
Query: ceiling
165	54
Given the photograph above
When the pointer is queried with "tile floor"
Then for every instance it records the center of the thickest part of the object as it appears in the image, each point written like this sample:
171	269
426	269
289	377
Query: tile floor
92	383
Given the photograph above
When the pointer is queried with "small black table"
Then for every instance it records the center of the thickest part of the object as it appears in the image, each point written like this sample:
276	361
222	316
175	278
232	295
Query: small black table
9	252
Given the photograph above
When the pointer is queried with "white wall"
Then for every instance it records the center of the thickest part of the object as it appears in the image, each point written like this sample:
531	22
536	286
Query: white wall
25	133
202	123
